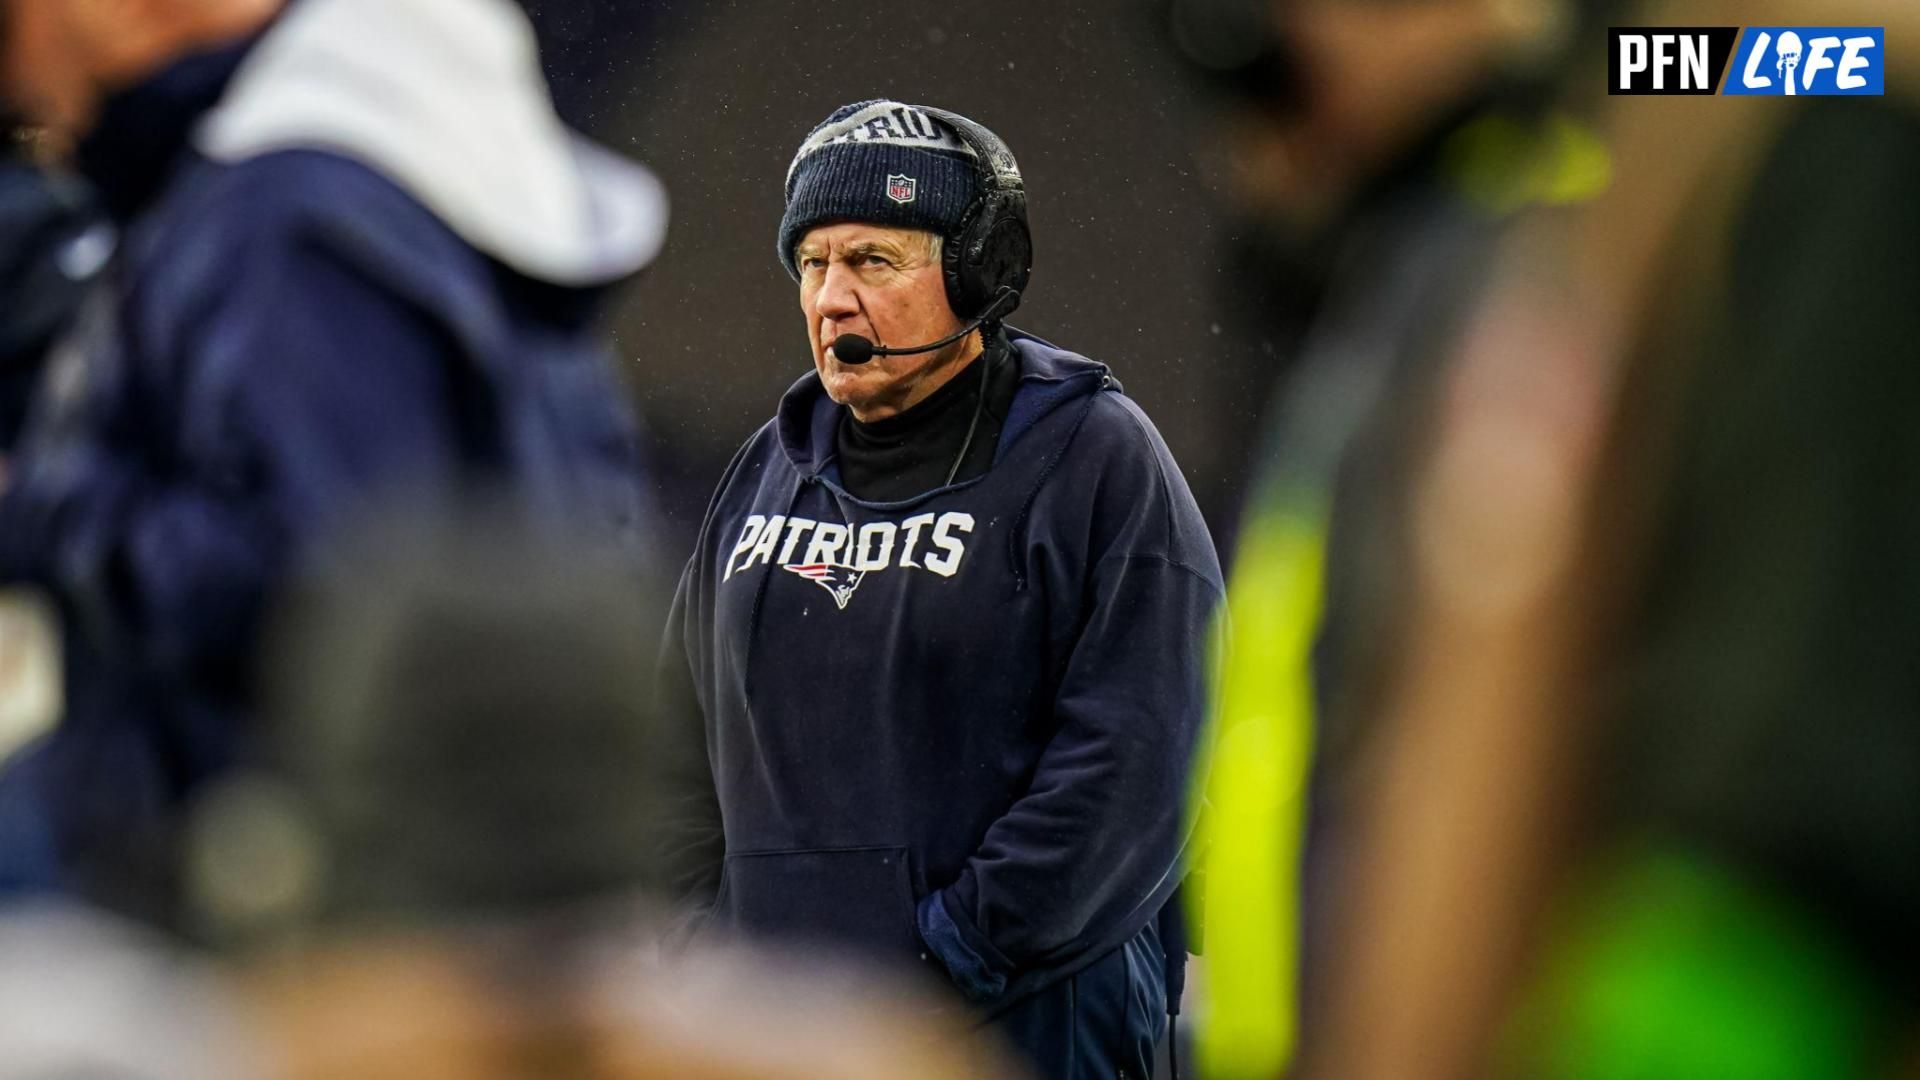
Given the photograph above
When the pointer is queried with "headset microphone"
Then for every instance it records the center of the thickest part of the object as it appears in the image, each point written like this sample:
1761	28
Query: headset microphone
854	349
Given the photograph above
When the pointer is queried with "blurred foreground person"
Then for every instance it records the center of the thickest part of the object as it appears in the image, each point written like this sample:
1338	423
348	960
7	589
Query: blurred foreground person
1379	154
358	262
1649	785
945	631
445	868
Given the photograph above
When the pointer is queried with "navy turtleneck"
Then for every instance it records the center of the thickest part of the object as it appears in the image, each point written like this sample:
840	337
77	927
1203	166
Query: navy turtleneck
911	453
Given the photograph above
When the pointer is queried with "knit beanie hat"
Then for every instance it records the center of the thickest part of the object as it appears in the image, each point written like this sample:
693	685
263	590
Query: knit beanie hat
879	161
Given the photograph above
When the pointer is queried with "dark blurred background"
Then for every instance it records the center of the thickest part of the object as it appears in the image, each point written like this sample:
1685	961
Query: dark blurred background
714	97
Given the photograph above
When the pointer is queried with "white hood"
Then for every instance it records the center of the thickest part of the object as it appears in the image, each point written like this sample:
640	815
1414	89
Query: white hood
446	98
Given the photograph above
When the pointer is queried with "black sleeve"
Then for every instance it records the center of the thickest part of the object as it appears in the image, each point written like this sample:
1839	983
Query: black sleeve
692	842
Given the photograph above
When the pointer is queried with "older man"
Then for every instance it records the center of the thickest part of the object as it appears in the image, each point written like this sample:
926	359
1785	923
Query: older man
359	262
947	619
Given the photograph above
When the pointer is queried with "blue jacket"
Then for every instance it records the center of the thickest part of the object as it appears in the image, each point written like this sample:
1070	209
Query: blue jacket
299	335
960	724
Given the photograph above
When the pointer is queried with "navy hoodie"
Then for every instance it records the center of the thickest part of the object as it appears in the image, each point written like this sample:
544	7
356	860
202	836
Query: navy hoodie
960	724
335	296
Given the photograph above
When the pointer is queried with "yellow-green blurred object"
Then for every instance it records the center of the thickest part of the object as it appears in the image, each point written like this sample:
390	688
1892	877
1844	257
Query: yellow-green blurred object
1252	833
1503	165
1670	966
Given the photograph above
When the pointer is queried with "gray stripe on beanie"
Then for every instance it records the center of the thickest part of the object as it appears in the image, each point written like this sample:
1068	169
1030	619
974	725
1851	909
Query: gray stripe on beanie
891	123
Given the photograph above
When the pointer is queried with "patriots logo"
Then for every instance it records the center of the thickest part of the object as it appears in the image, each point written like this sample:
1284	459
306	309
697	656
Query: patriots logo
840	581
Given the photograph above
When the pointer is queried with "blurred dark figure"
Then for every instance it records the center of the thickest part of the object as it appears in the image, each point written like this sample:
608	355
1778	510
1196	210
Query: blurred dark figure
466	713
1378	154
1647	786
361	263
446	871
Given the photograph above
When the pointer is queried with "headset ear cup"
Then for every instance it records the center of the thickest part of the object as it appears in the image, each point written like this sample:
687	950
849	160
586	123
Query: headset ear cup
1007	258
990	251
953	264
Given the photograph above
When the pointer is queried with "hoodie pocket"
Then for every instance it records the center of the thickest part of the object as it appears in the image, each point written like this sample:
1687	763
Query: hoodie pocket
839	897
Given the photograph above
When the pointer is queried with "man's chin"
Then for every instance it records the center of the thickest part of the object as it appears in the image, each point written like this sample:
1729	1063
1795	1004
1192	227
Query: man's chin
861	392
843	386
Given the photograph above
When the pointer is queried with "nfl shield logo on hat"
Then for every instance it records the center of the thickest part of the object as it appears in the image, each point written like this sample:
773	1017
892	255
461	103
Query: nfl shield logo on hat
900	188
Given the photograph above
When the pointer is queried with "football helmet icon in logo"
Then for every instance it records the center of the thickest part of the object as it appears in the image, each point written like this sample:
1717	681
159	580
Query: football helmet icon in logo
839	581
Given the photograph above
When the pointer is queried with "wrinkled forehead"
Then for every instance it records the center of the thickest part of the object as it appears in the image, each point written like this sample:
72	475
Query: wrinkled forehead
886	123
842	236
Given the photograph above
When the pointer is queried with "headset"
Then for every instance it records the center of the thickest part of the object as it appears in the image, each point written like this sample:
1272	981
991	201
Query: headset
989	252
986	257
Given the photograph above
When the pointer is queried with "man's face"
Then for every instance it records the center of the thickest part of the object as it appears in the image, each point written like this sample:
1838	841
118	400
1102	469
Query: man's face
882	284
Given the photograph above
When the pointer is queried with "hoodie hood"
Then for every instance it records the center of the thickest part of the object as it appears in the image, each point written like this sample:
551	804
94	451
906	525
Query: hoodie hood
1049	378
446	99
